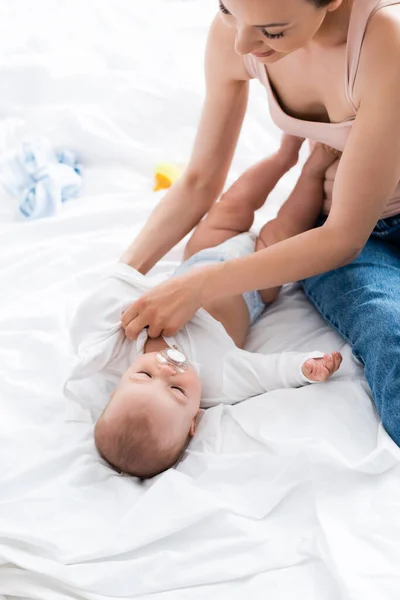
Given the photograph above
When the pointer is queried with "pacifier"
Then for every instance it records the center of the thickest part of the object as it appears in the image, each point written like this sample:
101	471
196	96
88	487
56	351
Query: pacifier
173	357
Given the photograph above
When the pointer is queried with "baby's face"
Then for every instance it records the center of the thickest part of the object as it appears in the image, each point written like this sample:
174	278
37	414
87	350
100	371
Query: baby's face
172	397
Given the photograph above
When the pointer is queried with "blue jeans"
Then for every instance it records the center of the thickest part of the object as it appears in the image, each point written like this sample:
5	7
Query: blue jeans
362	302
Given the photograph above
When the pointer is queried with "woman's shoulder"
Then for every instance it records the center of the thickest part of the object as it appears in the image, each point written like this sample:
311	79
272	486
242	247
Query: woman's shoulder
221	51
384	22
382	33
380	53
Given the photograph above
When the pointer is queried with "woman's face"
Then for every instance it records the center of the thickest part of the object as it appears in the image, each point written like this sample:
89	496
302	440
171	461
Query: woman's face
271	29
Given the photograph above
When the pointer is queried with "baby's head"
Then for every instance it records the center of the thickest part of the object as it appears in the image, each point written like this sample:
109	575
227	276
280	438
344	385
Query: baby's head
146	426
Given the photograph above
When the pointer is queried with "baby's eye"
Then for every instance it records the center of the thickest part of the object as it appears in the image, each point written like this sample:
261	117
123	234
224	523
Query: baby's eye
272	36
175	387
144	373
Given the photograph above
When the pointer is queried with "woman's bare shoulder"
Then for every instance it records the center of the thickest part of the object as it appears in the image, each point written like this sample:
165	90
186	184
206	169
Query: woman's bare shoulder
221	51
384	24
379	59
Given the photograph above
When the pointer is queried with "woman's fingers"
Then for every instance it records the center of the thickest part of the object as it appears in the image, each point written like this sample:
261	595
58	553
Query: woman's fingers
135	327
129	315
154	330
171	330
166	308
135	319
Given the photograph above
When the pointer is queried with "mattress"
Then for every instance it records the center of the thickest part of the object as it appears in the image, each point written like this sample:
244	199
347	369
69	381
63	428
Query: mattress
292	494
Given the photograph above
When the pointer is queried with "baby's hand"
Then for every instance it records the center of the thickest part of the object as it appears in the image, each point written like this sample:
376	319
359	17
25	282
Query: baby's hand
320	369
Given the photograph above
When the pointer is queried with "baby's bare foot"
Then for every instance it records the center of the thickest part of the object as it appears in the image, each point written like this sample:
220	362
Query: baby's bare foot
320	159
289	149
320	369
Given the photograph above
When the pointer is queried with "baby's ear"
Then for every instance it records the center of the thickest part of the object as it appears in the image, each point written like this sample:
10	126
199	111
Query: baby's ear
192	429
193	425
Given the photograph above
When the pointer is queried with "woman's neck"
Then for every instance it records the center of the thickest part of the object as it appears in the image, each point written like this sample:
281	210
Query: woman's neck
334	29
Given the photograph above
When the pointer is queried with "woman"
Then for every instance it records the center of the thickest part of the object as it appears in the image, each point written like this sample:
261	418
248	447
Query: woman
331	69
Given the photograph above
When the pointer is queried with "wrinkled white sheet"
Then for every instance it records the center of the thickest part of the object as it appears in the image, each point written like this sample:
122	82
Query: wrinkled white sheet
294	494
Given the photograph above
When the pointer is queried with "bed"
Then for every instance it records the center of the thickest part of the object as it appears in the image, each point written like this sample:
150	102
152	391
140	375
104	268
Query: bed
291	495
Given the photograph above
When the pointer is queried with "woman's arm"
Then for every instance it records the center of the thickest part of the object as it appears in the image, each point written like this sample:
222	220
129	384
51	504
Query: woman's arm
191	197
366	178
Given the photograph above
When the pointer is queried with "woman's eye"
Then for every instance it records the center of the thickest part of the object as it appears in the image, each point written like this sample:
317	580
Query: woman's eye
175	387
144	373
272	36
223	9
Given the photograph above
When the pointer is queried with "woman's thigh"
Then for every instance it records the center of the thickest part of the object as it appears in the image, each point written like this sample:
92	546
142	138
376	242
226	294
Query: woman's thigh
362	302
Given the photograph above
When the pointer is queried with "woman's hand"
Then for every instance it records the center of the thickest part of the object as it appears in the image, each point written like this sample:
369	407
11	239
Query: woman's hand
167	307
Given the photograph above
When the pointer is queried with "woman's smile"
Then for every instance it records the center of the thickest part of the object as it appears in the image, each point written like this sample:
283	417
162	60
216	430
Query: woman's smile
263	54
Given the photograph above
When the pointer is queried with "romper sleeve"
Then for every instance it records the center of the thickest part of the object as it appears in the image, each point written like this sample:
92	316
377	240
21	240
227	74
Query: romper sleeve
248	374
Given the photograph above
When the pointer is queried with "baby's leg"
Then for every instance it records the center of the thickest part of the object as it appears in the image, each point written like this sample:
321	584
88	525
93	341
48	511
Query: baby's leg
234	213
301	209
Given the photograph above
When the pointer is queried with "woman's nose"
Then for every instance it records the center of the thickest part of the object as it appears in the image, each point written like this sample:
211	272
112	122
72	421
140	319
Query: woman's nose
246	40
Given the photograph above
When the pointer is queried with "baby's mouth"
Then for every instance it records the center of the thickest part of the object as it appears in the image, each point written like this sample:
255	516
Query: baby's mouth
173	357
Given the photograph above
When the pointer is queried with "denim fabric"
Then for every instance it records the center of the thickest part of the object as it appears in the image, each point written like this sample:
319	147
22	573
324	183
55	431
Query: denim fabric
238	246
362	302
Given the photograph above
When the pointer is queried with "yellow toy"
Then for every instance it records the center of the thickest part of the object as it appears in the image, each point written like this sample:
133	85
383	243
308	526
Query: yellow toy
165	174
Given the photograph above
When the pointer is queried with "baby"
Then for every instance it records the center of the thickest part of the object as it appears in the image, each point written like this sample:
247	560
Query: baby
160	384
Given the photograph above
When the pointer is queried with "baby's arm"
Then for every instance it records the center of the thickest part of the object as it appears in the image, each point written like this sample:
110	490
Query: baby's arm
249	374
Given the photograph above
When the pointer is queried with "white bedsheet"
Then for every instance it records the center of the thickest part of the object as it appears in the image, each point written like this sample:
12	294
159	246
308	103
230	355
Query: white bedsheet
292	495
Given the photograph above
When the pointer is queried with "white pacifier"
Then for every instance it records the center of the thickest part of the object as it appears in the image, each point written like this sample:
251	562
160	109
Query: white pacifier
173	357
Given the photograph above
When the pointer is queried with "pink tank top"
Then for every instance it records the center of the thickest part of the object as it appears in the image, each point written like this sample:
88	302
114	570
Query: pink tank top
332	134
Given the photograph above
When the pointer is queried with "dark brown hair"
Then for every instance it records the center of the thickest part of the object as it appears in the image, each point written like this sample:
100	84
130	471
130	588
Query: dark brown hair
132	446
320	3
